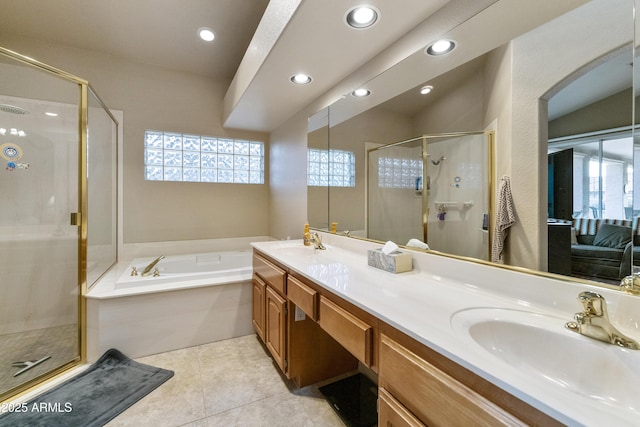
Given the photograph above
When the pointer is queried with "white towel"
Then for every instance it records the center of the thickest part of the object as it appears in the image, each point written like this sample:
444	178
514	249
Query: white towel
505	218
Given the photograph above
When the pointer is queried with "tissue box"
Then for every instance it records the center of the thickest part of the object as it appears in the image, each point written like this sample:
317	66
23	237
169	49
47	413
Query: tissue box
395	262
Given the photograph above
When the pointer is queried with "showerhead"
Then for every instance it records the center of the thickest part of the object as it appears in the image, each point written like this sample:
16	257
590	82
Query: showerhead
437	162
12	109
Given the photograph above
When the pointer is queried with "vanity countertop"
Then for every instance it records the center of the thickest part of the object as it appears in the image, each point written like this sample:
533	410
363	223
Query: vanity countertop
422	303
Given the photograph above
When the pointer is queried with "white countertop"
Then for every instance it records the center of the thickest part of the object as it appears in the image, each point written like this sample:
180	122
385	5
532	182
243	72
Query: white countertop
421	304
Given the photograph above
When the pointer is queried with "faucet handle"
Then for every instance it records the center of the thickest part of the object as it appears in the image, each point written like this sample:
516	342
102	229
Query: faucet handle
631	284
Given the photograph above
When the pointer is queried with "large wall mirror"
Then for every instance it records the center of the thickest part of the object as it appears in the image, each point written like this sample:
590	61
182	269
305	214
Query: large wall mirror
555	87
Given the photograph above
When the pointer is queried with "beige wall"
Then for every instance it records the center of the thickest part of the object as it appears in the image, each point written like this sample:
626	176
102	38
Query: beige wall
162	99
288	178
542	61
379	126
458	110
609	113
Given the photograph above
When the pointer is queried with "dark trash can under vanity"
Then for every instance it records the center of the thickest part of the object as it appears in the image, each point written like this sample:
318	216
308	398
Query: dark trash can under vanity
354	399
559	254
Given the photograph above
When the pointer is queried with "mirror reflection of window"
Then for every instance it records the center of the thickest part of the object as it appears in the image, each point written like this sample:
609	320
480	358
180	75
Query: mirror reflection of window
602	174
331	168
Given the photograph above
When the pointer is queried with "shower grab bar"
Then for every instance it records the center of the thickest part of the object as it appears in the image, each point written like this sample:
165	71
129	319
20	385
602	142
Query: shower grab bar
459	205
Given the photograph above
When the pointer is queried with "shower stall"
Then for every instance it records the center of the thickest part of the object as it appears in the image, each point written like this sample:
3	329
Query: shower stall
57	216
437	189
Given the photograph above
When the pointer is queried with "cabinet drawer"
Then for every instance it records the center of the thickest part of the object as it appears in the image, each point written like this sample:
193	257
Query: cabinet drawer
351	332
303	296
431	395
391	413
271	273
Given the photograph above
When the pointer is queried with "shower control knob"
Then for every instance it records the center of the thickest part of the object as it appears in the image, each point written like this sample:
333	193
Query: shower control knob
156	273
134	271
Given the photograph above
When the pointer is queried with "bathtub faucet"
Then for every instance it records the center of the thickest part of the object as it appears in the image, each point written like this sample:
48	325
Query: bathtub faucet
148	268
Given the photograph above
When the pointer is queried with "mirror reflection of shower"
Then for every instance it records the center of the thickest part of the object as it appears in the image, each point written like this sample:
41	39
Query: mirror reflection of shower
436	162
450	215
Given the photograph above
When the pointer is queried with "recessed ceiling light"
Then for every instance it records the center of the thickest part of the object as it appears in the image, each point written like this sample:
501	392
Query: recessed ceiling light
440	47
362	16
361	92
300	79
426	89
50	114
206	34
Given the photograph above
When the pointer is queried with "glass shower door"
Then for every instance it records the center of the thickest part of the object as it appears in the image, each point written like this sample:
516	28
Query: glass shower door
39	246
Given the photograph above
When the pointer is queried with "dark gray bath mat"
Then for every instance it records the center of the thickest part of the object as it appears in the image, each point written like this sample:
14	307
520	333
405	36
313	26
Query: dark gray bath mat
92	398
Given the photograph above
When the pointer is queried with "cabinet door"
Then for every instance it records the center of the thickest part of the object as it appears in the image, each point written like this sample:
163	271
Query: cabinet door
275	328
434	397
258	306
391	413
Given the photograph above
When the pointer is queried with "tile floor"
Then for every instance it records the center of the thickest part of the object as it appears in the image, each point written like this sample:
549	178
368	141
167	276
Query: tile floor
59	343
227	383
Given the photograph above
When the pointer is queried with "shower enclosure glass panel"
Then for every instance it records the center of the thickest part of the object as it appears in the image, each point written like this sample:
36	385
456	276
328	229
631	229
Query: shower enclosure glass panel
434	188
102	145
395	192
58	162
39	149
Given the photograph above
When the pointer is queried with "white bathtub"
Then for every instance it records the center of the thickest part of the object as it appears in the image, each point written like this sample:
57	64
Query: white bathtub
197	299
182	269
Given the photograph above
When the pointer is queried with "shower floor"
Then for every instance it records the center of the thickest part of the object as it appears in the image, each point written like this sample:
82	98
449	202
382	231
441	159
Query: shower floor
61	343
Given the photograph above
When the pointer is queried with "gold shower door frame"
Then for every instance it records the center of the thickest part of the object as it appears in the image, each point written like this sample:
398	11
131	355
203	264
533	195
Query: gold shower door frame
78	219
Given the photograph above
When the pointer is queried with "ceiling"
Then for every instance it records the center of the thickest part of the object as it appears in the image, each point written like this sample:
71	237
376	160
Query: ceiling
276	38
259	43
156	32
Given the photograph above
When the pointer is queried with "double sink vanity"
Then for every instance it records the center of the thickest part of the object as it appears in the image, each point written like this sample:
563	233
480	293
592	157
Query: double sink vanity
451	342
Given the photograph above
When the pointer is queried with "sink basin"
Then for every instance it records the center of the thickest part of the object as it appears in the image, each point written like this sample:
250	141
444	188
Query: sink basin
540	347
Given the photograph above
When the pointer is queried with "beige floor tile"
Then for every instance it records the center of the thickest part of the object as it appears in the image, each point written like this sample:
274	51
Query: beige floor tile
280	410
227	383
240	384
178	401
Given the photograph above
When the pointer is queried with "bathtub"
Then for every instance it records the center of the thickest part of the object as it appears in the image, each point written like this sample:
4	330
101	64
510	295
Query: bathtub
181	270
196	299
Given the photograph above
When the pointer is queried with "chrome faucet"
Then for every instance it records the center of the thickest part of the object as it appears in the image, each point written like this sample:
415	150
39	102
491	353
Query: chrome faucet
594	322
317	241
148	268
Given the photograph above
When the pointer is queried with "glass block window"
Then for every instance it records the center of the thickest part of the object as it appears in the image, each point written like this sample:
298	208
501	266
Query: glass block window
331	168
396	172
193	158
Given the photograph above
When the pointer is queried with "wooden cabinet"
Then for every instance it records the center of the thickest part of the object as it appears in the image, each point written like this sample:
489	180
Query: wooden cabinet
314	334
430	395
270	307
354	334
275	332
391	413
258	302
274	275
303	296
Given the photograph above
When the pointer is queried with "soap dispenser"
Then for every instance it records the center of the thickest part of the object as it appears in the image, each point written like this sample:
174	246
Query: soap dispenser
306	237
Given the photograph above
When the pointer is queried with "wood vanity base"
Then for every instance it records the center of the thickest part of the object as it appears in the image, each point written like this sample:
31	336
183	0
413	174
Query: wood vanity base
315	335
